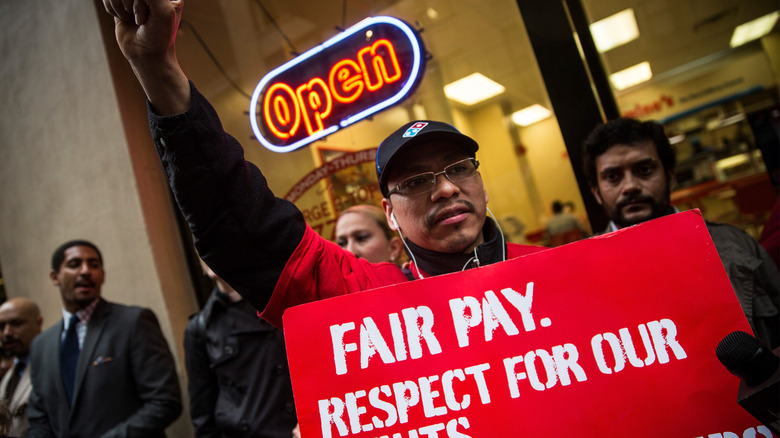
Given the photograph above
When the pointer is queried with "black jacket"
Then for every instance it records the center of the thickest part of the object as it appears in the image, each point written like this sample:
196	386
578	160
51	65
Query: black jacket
239	383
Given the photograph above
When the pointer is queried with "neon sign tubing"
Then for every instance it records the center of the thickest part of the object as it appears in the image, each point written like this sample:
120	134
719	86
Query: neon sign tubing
416	50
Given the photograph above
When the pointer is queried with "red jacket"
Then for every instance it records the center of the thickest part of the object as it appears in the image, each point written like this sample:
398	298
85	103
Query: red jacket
321	269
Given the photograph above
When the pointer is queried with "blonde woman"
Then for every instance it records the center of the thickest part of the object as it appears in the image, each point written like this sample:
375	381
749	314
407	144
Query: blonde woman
363	231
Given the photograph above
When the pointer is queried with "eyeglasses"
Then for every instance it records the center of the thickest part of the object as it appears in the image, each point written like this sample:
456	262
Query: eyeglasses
425	182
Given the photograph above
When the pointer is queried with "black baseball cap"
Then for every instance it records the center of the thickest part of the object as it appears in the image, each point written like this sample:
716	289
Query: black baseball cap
417	133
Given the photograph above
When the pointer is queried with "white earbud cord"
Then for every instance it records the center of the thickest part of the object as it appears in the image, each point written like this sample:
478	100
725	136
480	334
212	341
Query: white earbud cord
408	250
501	232
470	260
503	244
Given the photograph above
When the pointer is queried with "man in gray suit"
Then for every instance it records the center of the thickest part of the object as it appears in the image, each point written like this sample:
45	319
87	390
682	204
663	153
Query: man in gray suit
20	323
105	370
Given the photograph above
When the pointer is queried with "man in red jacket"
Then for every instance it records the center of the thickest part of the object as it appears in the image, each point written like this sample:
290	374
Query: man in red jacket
260	244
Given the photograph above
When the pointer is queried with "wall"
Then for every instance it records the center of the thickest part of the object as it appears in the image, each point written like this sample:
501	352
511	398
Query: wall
509	193
67	170
551	166
771	46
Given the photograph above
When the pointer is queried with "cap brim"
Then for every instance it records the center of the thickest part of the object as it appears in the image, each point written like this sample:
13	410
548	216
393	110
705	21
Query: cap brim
462	141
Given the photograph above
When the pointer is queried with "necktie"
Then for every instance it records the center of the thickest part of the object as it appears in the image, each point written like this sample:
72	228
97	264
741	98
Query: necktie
69	357
13	382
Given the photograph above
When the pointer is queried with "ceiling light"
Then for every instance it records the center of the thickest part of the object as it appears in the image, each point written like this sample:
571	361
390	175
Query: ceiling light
754	29
676	138
614	30
473	89
736	118
631	76
530	115
732	161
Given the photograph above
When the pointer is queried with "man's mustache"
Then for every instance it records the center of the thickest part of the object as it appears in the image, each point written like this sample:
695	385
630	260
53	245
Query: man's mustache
431	218
644	199
85	283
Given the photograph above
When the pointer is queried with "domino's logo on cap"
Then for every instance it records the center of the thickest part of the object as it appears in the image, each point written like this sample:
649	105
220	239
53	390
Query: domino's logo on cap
418	133
414	129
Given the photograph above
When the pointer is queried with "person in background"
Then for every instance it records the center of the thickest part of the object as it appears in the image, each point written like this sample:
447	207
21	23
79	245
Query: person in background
6	361
20	323
563	227
363	230
238	380
105	369
630	168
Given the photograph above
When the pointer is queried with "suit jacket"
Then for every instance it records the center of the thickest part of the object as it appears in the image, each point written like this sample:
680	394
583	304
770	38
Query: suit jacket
18	402
126	383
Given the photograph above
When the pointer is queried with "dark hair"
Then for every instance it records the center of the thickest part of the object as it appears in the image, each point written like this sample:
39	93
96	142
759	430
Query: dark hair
557	207
59	254
629	132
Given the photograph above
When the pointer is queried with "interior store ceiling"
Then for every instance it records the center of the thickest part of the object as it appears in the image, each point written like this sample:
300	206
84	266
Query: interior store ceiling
247	38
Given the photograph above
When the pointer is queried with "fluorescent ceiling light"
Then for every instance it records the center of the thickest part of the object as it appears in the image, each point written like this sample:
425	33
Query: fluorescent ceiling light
631	76
754	29
734	160
732	120
473	89
530	115
676	138
614	30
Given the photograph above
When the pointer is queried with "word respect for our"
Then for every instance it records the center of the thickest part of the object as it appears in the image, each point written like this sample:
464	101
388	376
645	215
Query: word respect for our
412	336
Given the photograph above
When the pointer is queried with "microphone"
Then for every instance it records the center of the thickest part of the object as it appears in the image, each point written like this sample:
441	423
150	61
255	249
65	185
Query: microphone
759	371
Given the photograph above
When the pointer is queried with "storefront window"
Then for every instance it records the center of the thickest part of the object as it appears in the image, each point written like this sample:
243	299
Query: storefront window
698	89
524	168
715	94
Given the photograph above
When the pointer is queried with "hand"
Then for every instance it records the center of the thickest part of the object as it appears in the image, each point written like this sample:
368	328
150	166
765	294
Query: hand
296	433
146	34
145	28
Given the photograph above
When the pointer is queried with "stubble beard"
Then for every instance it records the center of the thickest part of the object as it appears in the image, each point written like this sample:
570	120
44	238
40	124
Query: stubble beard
657	209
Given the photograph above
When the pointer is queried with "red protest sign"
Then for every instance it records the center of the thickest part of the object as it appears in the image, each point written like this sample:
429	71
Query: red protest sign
608	336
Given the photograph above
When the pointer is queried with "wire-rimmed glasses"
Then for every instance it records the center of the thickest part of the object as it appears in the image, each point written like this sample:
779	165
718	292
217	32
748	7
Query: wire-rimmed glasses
425	182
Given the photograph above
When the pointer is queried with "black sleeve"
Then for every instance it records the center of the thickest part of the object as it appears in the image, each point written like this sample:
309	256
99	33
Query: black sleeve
242	231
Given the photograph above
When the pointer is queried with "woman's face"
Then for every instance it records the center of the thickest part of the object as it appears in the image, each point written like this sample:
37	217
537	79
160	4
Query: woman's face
362	236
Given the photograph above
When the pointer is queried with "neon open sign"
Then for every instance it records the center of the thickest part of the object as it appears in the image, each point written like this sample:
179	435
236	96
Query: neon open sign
363	70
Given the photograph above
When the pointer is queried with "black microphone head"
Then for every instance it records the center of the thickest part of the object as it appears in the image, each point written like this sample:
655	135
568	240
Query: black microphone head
743	356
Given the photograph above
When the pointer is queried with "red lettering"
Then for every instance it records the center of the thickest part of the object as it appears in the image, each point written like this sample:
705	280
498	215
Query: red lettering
378	63
641	110
347	73
280	118
314	96
312	102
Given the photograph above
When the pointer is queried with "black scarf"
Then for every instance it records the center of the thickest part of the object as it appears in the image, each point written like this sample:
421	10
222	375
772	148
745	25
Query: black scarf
492	250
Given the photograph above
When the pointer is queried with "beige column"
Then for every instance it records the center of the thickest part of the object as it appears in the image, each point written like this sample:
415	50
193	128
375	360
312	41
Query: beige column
77	161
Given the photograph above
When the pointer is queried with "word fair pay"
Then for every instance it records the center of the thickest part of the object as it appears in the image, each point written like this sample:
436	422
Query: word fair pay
440	395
